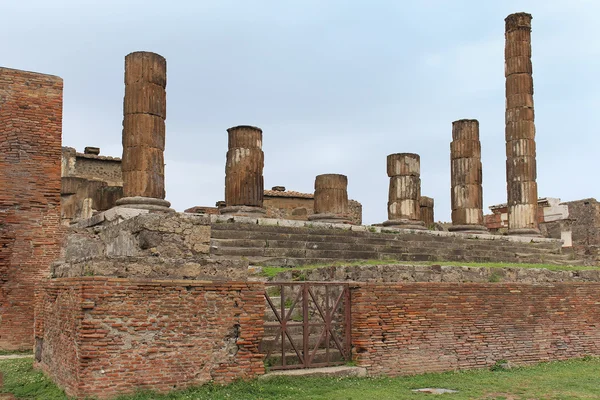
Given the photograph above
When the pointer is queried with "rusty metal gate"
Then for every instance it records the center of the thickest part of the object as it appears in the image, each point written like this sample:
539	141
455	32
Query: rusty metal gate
307	324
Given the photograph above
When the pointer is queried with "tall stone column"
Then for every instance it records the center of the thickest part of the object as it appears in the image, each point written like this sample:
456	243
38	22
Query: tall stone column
520	128
144	113
466	177
244	186
426	210
331	199
404	170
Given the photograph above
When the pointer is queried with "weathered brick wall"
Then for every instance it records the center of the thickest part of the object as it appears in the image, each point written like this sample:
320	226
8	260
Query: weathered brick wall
427	327
30	154
160	335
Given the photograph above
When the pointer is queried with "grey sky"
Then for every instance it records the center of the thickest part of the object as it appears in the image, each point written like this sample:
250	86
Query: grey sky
335	86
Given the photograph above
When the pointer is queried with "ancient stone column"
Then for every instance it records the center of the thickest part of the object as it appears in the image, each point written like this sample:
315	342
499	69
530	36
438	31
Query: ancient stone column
426	210
466	177
520	128
144	113
331	199
244	187
404	171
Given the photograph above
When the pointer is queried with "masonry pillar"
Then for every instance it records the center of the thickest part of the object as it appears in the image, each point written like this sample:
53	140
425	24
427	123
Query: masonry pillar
466	177
404	170
244	186
331	199
144	113
426	210
520	128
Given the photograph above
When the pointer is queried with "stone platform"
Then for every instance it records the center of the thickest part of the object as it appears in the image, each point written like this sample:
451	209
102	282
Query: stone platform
273	242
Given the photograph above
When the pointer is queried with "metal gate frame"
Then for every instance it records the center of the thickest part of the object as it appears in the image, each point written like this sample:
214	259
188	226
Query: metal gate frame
305	295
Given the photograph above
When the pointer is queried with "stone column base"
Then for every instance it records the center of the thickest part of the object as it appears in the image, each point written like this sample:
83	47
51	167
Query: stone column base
145	203
243	211
405	224
468	229
524	232
330	218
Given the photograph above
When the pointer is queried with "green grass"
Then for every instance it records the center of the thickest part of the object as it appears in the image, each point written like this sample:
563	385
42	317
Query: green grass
574	379
10	352
271	272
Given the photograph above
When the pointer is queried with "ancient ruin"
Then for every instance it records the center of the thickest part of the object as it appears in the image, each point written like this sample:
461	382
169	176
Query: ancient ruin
244	187
520	128
466	177
114	294
144	114
404	170
331	199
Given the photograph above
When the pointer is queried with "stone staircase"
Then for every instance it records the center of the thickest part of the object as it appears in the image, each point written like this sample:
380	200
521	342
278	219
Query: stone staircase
293	246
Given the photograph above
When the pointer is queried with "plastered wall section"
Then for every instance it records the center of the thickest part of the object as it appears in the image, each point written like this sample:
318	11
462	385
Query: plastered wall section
107	336
413	328
30	162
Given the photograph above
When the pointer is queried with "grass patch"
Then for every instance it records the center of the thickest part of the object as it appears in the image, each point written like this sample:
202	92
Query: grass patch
11	352
271	272
27	383
573	379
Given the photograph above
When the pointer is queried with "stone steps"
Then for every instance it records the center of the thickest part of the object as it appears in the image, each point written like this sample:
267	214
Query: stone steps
293	246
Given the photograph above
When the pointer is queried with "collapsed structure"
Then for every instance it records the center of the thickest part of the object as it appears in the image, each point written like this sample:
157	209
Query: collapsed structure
138	296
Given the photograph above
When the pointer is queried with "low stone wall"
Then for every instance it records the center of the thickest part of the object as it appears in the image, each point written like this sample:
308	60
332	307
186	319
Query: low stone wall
436	273
412	328
105	336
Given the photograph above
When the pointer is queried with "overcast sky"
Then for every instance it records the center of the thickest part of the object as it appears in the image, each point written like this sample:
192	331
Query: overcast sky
336	86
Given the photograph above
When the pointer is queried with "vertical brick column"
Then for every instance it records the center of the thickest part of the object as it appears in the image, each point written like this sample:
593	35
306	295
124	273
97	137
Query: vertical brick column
426	210
404	170
144	113
244	185
520	128
30	229
466	177
331	199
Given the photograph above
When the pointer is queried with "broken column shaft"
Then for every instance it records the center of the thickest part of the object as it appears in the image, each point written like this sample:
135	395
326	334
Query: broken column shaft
404	171
144	113
244	186
331	199
520	128
426	210
466	177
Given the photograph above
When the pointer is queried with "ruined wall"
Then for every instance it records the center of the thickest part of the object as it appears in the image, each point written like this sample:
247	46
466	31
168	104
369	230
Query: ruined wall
299	206
411	328
129	243
90	183
585	227
30	151
436	273
91	166
95	338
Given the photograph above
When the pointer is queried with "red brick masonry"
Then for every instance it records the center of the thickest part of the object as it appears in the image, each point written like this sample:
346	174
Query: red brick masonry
30	233
107	336
427	327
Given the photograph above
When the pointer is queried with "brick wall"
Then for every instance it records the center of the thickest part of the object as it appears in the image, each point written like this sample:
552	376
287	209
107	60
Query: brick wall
30	161
107	336
427	327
